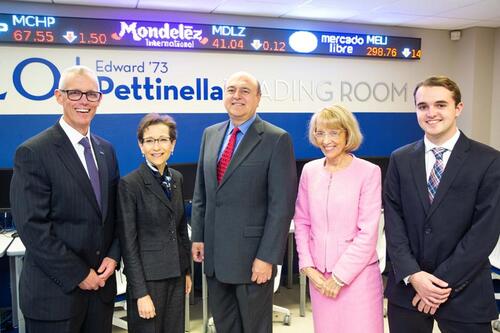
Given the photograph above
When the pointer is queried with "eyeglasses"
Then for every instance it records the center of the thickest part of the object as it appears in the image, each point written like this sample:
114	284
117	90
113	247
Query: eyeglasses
76	95
321	135
150	142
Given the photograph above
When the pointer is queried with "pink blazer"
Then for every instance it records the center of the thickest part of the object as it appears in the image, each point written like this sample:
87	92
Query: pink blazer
336	217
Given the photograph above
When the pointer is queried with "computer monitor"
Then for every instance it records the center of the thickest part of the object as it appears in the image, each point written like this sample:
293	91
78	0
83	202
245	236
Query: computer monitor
5	177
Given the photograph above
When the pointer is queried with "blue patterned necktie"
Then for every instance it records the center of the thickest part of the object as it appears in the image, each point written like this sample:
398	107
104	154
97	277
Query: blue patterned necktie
92	169
436	172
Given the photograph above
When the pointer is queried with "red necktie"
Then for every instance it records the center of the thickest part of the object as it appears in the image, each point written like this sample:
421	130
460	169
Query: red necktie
226	155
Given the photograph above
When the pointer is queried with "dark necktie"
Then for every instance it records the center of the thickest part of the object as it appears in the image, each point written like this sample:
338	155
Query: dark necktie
92	169
436	172
226	155
166	181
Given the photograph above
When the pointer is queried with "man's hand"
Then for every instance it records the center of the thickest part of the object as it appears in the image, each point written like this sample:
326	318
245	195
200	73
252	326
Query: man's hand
91	282
107	268
198	251
146	307
422	307
431	290
261	271
317	279
331	288
189	284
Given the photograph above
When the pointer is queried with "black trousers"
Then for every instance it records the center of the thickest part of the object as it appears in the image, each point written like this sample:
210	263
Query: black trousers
168	297
402	320
97	317
241	308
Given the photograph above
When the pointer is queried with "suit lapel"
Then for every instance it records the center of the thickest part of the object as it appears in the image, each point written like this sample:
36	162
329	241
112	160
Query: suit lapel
419	175
417	165
103	174
70	159
247	144
455	162
151	185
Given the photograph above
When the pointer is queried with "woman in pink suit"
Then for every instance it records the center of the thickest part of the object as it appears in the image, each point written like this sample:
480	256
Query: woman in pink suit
336	226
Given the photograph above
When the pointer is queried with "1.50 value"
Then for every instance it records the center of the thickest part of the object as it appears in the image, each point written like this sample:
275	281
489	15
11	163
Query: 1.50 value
92	38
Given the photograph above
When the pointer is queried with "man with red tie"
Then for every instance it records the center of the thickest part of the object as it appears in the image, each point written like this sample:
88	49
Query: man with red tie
442	212
242	207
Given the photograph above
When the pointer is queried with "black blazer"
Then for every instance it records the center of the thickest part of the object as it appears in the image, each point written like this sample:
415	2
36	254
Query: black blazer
60	223
153	230
453	237
248	214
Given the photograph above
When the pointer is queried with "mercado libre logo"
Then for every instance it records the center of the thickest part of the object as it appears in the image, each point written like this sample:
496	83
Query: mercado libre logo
169	35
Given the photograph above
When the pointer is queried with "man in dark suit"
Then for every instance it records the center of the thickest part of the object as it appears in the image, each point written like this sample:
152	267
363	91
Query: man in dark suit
442	212
242	207
63	203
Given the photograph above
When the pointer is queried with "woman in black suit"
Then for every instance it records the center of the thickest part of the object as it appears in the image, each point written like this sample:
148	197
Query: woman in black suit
153	233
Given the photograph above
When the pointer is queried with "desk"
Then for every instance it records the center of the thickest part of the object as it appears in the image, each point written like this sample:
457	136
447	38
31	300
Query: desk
5	240
16	252
303	279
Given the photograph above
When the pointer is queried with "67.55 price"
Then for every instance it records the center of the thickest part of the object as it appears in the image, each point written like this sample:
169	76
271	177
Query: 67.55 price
38	36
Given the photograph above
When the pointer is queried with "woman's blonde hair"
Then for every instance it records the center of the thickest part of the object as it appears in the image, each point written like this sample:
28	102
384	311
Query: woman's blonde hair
337	117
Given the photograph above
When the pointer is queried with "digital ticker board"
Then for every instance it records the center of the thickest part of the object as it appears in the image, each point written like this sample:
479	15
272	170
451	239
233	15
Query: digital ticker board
70	31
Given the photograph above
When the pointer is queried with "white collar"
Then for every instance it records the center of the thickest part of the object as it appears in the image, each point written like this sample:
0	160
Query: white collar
73	135
448	145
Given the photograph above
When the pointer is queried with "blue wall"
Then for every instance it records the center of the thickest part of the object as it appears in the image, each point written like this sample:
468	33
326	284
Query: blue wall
383	133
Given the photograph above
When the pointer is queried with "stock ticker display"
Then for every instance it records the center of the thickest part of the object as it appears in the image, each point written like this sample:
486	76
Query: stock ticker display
53	30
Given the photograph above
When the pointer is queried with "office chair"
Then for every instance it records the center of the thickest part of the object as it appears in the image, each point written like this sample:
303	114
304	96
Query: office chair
120	300
495	275
287	320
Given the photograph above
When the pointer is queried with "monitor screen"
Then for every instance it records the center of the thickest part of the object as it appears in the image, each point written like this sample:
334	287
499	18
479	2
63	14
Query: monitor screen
73	31
5	177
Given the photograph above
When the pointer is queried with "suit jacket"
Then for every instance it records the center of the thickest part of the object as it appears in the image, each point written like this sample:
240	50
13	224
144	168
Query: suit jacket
248	214
60	223
336	218
153	230
450	238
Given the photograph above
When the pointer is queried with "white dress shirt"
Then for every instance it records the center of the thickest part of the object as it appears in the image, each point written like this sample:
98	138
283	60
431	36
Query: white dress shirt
75	137
430	159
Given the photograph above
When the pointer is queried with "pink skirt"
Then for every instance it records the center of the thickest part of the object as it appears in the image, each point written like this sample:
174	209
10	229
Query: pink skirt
357	308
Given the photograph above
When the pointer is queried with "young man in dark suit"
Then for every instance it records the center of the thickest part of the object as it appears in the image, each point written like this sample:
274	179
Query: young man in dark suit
442	215
242	207
63	203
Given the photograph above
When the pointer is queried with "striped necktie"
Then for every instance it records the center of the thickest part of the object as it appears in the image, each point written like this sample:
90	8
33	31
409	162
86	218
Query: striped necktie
436	172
